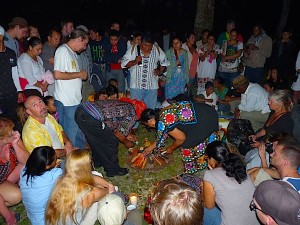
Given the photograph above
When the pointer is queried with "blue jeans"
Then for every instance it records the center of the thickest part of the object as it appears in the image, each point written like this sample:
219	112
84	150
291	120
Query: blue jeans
227	77
148	96
212	216
67	121
255	75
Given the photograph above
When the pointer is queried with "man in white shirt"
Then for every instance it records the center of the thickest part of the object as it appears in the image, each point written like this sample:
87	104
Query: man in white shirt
144	70
254	102
68	83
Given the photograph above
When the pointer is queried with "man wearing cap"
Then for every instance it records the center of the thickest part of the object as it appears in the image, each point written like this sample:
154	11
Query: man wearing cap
276	203
17	30
254	102
9	84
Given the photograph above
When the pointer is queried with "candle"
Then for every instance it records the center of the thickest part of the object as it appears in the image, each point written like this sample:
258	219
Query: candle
133	199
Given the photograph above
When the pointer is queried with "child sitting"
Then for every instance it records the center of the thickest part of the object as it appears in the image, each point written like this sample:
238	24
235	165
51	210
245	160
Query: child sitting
208	96
49	102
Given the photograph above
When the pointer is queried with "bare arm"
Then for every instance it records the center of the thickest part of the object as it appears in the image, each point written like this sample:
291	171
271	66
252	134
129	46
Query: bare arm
21	152
179	137
58	75
102	183
134	62
93	196
208	195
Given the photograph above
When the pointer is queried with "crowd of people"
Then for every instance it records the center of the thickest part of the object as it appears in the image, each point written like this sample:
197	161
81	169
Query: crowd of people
86	87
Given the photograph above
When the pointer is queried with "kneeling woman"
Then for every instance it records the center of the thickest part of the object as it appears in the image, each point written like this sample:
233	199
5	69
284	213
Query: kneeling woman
191	124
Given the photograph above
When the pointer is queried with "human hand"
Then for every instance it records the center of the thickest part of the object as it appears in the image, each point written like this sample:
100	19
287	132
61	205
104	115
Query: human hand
131	137
16	137
147	151
44	86
138	59
69	147
262	150
236	113
209	100
111	188
255	144
83	75
156	72
169	150
252	138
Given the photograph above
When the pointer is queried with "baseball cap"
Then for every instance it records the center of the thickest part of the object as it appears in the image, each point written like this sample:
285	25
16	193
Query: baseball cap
18	21
1	30
279	200
111	210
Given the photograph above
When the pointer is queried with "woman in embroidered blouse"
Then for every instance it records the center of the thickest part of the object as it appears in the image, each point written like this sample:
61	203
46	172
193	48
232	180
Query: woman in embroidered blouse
31	68
191	125
13	157
178	72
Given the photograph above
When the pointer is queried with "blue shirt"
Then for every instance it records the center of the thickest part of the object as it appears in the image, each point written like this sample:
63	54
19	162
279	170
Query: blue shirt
36	193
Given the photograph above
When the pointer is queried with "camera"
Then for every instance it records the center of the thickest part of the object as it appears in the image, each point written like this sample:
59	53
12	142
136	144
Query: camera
269	147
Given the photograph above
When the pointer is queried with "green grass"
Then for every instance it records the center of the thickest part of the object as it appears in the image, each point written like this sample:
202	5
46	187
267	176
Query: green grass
137	181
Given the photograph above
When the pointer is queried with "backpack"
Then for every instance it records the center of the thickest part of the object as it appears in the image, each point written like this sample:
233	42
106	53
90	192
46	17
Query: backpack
238	131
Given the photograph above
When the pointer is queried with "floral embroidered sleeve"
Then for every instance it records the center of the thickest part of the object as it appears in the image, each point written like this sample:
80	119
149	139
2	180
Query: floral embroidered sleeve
179	113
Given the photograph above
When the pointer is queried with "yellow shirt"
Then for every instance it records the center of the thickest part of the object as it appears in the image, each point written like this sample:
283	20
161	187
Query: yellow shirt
34	134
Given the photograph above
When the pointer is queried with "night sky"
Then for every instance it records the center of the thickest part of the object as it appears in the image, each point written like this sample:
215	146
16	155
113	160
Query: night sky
179	15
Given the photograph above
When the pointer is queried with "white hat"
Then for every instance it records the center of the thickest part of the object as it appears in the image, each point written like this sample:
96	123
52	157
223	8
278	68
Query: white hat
111	210
1	30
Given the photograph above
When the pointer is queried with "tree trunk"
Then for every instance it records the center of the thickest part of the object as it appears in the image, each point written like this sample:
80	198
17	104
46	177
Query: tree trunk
204	16
283	17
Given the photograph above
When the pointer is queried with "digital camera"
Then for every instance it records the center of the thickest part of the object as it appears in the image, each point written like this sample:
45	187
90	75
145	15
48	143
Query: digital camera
269	147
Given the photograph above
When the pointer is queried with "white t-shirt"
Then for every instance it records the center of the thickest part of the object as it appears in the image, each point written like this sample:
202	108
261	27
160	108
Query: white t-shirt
68	92
56	144
212	96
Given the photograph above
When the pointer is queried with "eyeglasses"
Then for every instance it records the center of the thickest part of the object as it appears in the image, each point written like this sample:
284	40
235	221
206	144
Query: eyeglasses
253	207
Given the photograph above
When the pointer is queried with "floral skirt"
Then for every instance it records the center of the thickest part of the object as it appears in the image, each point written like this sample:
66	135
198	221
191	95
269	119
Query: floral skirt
194	158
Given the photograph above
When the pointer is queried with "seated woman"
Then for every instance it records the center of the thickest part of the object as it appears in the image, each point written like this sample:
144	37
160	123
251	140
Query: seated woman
227	185
36	182
191	125
75	197
279	120
13	157
175	202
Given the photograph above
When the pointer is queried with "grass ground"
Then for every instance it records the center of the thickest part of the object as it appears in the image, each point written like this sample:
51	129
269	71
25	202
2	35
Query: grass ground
137	181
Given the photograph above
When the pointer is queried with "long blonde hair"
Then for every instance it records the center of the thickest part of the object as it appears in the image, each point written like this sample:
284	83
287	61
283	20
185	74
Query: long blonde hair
76	178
